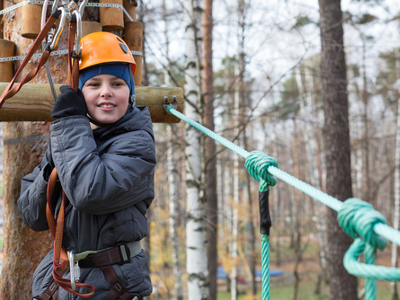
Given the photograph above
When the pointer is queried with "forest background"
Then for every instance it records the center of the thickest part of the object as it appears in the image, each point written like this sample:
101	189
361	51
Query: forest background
314	84
267	94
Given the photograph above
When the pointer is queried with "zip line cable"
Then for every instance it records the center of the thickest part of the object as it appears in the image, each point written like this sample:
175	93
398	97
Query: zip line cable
357	218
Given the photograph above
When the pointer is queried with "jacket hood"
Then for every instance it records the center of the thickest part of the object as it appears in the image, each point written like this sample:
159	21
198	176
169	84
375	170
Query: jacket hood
137	118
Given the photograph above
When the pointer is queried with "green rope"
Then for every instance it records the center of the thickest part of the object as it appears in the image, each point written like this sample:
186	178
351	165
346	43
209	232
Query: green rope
358	218
265	283
370	283
257	164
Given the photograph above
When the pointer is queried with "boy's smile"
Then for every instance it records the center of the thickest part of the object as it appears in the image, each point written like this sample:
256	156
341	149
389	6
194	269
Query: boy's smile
107	98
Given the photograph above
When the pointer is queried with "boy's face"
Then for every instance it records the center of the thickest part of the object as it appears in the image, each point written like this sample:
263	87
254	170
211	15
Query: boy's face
107	98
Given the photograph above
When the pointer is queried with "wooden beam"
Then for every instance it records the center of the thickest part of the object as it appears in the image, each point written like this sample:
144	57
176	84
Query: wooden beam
34	102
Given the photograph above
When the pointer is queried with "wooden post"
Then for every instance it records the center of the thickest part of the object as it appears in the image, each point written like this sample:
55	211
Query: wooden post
6	68
111	18
23	248
1	20
34	102
133	33
134	39
30	21
130	7
90	26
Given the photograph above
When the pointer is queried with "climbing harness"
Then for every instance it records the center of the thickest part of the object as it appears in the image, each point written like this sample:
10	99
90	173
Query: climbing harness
63	260
60	257
358	218
50	40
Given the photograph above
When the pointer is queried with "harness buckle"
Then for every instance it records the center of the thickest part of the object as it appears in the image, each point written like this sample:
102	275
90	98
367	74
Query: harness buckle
125	254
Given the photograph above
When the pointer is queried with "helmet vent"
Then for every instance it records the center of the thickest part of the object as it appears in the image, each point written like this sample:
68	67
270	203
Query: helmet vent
123	47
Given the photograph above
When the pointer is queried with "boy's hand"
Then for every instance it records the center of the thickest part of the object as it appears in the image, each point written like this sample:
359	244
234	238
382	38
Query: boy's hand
69	103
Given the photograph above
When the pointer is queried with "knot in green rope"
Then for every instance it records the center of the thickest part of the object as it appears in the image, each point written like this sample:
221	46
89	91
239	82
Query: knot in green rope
257	164
357	218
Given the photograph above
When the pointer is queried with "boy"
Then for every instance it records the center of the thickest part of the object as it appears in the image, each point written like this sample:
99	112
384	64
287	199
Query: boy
107	175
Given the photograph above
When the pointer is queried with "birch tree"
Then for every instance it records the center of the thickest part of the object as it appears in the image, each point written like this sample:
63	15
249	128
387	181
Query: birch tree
311	151
173	197
196	243
396	209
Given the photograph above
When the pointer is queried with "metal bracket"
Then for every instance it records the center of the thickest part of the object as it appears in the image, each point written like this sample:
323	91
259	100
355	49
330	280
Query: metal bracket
167	104
27	139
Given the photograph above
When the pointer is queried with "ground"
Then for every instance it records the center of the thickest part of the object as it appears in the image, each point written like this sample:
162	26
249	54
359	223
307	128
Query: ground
282	287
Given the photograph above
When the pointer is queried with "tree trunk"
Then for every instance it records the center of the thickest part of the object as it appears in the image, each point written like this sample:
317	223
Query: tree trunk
173	208
343	286
396	208
311	150
297	212
196	241
234	241
145	70
210	148
173	197
365	142
24	248
252	217
235	204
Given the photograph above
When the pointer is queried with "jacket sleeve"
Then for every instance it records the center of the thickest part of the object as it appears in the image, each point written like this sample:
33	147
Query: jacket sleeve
32	200
103	184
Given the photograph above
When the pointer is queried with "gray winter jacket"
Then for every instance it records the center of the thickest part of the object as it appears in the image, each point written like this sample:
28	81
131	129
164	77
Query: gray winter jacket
108	177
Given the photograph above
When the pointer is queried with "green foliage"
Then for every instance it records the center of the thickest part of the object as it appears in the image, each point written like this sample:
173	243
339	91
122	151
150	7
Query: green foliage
366	18
289	105
301	21
388	76
372	2
156	76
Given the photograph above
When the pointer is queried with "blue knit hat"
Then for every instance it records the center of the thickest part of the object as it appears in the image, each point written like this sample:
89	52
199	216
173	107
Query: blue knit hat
122	71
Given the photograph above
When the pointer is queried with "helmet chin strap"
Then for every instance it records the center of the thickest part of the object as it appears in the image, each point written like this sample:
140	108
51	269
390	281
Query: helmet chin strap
132	100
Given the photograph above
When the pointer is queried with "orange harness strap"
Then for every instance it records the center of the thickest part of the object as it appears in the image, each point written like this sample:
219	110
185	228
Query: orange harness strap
73	58
10	90
60	256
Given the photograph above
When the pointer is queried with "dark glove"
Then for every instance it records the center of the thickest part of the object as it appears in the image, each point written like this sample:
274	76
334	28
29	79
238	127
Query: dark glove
69	103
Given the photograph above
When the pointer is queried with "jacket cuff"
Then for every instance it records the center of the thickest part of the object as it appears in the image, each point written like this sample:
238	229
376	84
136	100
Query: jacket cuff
69	121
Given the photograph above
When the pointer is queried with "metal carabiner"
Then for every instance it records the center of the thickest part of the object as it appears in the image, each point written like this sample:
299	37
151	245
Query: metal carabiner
59	30
55	6
82	6
72	269
69	7
44	13
78	30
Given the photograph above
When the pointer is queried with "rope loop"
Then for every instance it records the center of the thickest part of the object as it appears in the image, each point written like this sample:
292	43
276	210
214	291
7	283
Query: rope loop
358	218
257	164
369	271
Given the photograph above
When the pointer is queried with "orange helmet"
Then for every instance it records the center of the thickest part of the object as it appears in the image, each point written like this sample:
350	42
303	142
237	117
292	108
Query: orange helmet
104	47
